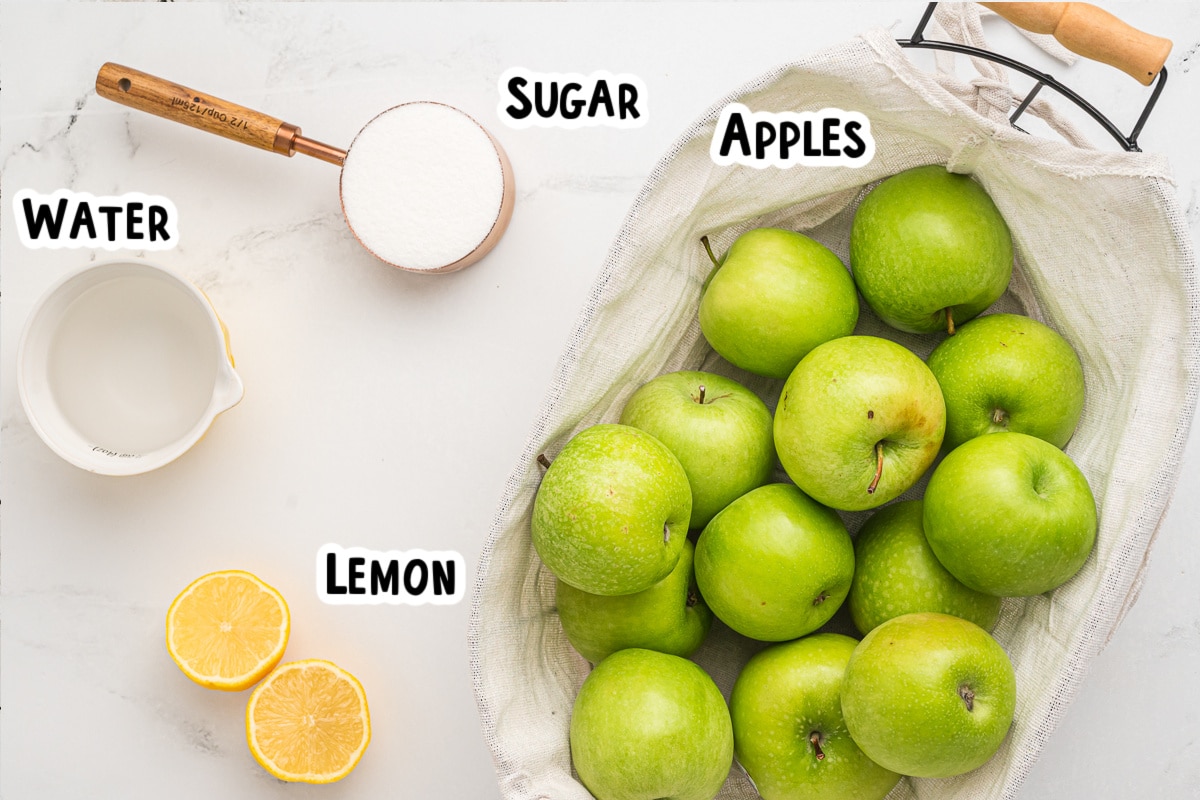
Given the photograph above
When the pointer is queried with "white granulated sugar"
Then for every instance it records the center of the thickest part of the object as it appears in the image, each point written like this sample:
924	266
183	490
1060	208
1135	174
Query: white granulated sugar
422	185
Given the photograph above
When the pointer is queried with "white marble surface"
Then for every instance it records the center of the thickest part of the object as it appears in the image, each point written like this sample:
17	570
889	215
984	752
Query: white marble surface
385	409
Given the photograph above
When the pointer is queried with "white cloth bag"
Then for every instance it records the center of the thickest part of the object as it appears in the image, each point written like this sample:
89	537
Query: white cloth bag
1103	256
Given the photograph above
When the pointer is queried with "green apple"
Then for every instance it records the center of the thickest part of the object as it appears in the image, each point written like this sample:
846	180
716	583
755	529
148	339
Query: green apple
896	573
649	725
670	616
858	422
1006	372
929	250
788	731
774	564
1010	515
776	295
718	429
611	514
929	695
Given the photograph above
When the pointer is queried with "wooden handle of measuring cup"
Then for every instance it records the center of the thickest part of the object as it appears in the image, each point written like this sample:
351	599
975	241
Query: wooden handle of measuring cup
1092	33
168	100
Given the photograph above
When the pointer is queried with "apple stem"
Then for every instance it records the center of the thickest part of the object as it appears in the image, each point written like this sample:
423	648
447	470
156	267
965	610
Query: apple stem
950	320
545	462
998	416
878	468
968	697
693	597
703	399
815	739
708	249
666	534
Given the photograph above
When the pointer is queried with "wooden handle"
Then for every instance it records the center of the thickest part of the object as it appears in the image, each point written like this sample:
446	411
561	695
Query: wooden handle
159	97
1092	33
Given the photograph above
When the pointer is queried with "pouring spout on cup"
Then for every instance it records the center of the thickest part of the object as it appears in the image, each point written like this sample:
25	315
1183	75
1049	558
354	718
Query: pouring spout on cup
229	390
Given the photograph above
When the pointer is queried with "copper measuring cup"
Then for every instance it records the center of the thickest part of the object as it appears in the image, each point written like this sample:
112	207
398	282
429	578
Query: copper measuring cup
162	98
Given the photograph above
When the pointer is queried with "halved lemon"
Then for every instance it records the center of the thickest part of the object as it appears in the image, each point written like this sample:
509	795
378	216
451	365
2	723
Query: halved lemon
308	721
227	630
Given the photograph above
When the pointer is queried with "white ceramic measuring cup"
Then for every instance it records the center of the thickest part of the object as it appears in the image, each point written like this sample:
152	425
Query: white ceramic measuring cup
424	186
123	366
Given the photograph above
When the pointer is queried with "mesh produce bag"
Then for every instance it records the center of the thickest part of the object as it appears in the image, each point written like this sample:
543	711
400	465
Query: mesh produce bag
1102	256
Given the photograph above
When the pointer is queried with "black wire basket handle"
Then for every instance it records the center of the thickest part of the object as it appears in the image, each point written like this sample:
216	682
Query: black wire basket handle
1083	29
